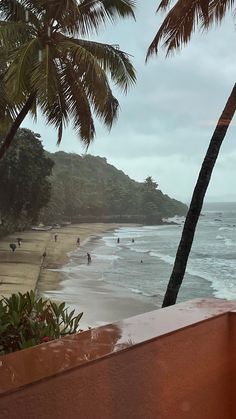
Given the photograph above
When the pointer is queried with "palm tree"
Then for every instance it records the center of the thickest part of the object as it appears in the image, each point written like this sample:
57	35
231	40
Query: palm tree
51	66
175	31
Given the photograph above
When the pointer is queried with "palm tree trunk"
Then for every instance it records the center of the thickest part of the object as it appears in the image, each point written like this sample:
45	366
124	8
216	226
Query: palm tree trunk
197	201
16	124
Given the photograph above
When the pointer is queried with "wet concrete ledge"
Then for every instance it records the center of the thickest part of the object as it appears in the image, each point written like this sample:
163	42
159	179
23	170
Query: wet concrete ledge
44	361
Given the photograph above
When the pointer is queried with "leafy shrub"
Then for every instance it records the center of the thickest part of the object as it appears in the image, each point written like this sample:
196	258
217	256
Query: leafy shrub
27	321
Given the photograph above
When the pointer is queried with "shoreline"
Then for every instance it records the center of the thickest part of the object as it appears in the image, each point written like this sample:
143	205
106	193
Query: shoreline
59	255
101	302
25	269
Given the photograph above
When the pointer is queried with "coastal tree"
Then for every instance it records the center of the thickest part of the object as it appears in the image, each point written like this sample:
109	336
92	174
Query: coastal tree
50	66
25	187
150	200
175	31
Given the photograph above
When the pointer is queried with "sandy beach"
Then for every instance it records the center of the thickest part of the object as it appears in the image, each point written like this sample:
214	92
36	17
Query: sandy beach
26	269
20	271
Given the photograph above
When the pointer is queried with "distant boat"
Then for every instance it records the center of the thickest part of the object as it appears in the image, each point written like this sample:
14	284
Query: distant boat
46	228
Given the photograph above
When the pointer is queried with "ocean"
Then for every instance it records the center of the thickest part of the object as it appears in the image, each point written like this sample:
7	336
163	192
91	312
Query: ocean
211	270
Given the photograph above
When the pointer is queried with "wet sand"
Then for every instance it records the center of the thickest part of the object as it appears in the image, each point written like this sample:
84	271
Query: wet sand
20	271
100	302
26	269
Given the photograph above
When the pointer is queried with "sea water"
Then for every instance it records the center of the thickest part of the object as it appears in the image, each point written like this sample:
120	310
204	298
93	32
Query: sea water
211	269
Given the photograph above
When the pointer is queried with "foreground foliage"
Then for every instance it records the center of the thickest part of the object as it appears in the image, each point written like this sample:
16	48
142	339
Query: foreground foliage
26	320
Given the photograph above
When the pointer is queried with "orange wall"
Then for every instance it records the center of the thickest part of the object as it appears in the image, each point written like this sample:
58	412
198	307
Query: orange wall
232	340
183	375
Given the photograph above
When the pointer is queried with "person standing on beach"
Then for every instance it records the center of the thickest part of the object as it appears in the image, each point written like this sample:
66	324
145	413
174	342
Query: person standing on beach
12	246
89	258
55	237
78	241
118	240
19	241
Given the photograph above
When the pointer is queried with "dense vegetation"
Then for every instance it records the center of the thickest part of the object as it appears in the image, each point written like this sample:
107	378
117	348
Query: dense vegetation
87	188
37	186
25	187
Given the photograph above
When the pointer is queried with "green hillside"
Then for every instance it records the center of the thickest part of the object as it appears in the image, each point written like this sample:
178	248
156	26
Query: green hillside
87	188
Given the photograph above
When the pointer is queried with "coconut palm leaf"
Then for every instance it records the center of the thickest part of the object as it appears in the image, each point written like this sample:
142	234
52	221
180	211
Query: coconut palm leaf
14	34
51	94
95	83
66	77
93	13
79	107
164	5
183	19
113	61
17	76
218	9
71	16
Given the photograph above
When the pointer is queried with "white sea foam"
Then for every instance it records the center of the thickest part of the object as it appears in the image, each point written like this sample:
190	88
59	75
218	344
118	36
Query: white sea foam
190	270
225	288
228	242
139	249
138	291
165	258
227	228
175	219
106	257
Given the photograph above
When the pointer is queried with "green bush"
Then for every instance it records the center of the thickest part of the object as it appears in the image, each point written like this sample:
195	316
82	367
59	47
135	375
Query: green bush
28	321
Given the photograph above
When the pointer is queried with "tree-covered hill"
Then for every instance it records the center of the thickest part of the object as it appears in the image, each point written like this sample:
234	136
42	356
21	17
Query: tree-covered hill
87	188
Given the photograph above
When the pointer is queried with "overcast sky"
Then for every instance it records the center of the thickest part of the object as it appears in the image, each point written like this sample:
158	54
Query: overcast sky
167	119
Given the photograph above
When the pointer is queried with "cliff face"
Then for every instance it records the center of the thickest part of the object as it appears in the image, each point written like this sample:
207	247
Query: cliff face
85	188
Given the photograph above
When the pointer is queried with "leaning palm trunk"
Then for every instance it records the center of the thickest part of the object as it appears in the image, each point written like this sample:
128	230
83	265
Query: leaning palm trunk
197	201
16	124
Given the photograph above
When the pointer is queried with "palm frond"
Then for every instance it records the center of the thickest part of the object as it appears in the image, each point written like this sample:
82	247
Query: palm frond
12	10
164	5
88	70
69	77
99	94
17	77
94	13
113	61
47	82
218	9
8	110
179	25
14	34
79	107
183	19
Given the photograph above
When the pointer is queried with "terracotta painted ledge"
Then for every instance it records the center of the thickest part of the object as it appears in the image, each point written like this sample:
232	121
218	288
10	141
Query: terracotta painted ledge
48	360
